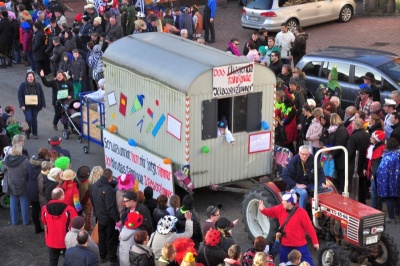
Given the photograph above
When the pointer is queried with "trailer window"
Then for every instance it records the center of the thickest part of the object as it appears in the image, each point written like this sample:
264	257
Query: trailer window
243	113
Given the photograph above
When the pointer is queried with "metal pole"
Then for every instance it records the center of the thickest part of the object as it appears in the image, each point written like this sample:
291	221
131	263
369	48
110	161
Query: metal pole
356	180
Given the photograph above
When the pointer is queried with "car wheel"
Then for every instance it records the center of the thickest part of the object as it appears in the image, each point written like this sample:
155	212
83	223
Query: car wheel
292	23
346	13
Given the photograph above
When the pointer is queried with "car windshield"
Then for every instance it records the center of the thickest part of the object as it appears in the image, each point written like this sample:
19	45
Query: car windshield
392	69
261	4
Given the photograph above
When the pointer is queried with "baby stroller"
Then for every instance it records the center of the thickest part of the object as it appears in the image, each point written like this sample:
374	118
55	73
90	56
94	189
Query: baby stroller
71	117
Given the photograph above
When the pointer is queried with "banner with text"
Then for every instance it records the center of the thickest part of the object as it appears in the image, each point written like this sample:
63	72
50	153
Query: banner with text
147	168
233	79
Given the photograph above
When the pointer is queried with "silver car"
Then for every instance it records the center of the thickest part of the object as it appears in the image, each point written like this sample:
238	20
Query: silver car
270	14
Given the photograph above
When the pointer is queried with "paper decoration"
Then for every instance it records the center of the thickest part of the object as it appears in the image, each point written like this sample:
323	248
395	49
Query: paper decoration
259	142
122	104
150	112
140	123
174	126
137	103
167	161
112	100
113	116
157	102
158	125
149	127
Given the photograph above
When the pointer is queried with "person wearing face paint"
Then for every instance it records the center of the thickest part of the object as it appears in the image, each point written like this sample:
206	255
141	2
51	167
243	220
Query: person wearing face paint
31	101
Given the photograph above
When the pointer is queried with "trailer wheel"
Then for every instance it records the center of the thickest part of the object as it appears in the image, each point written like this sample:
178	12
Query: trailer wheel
387	252
257	224
330	253
86	149
5	201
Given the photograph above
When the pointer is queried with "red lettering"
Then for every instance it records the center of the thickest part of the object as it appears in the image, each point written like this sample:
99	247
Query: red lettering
135	158
219	72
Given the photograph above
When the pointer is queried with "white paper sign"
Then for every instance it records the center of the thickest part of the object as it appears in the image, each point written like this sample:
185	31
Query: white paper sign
111	98
174	126
233	79
260	142
147	168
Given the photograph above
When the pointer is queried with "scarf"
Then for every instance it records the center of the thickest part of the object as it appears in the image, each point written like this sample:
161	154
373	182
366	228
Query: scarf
75	194
234	49
376	152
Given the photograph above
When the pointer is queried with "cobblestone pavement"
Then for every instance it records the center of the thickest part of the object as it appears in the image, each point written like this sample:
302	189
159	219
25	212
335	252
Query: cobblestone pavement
365	32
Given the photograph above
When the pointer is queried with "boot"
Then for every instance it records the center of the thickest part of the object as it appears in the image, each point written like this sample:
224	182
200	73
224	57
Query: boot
9	63
2	62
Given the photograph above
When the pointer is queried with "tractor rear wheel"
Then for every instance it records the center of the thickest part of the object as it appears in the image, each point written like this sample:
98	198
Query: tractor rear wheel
387	252
330	253
257	224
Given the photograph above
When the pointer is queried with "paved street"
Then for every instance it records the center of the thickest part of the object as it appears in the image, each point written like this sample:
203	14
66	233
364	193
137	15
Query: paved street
20	246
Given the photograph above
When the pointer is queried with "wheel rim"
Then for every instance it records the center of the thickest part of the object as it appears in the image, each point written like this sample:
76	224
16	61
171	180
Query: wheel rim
257	222
383	253
346	14
323	257
292	25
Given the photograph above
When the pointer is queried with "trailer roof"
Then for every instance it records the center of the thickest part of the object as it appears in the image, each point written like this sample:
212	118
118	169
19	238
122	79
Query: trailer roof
167	58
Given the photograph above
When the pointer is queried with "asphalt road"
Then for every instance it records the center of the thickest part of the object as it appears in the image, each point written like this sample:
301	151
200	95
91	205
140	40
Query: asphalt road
20	246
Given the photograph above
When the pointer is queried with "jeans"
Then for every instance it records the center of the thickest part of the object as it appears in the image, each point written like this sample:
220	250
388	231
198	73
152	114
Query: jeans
376	201
31	114
14	213
393	206
31	61
108	241
305	254
17	52
303	193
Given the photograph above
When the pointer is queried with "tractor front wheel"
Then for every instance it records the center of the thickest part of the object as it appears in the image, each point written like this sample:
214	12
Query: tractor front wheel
257	224
387	252
331	253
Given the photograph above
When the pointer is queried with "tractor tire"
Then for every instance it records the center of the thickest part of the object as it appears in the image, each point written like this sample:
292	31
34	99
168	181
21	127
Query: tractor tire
338	255
257	224
387	252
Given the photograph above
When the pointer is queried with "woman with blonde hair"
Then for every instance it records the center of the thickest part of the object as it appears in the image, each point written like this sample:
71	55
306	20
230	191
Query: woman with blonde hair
375	123
298	73
95	174
262	259
168	254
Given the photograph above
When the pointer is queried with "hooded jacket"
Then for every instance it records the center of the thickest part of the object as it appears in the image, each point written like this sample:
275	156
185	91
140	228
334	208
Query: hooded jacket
39	46
15	165
78	68
140	255
125	243
65	65
27	35
70	241
49	184
6	32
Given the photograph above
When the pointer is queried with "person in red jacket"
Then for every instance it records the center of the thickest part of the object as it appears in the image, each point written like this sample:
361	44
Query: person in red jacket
56	217
294	232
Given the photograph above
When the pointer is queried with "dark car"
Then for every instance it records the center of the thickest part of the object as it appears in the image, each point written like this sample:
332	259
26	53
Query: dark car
352	64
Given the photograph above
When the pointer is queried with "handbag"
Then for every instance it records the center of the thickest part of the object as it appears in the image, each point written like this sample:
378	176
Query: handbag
77	88
31	100
282	156
95	234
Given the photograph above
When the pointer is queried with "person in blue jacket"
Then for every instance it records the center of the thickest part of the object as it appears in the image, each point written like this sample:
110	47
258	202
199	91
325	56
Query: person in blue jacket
299	174
209	15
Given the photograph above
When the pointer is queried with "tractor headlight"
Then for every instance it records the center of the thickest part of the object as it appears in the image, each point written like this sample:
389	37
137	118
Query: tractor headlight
366	232
380	229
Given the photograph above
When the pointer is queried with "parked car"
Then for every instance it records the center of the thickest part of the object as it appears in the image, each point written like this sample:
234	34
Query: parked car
270	14
352	64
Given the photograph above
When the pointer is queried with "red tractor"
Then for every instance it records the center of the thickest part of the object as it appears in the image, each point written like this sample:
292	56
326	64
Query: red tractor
351	231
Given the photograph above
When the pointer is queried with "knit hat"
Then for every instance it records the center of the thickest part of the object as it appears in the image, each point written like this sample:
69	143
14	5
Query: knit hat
78	17
54	172
83	173
290	196
54	140
365	88
223	223
97	19
223	123
134	220
378	135
126	182
130	195
166	224
212	238
77	222
68	175
62	162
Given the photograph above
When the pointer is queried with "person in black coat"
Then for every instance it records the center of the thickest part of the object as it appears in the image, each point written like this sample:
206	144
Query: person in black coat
276	63
39	47
80	255
140	254
57	53
338	137
31	101
161	210
62	90
211	254
358	141
7	34
395	120
188	205
103	198
85	30
34	167
149	201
